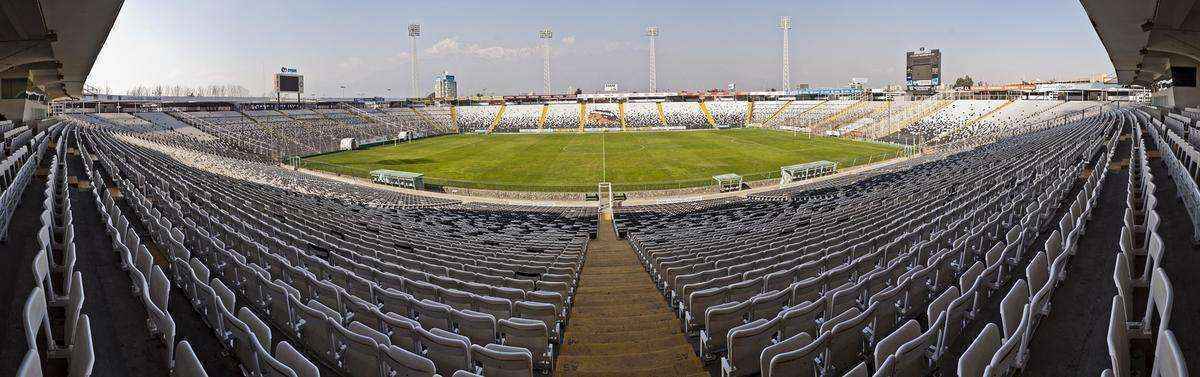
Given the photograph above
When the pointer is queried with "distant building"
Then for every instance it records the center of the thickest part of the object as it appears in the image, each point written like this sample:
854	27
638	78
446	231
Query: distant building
445	86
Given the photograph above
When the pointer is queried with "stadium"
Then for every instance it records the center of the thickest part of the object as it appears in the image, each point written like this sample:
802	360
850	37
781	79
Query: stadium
923	228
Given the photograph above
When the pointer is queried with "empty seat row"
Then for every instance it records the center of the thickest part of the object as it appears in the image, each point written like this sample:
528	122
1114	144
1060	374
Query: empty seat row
1141	243
57	284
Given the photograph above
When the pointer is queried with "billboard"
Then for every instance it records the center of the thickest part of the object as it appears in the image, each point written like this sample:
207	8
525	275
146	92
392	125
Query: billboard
289	83
923	70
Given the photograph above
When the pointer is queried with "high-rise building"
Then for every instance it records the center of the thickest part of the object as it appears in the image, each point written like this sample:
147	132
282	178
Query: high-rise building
445	86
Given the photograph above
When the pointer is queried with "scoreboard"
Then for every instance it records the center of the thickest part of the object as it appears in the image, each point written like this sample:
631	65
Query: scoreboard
923	70
288	80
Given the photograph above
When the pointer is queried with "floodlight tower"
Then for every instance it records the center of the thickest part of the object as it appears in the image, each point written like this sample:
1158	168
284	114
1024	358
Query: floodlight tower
546	35
414	31
785	24
652	33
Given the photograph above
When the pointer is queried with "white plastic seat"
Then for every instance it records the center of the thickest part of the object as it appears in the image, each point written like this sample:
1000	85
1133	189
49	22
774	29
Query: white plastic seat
888	346
502	361
799	359
1010	356
395	302
400	362
354	353
540	311
847	342
74	308
802	318
745	344
1118	339
1040	285
1168	358
479	327
288	355
919	355
313	329
1011	306
696	305
719	320
500	308
432	314
278	306
767	305
83	357
1159	302
31	365
37	320
448	351
531	335
976	357
402	331
186	362
261	331
1154	256
160	288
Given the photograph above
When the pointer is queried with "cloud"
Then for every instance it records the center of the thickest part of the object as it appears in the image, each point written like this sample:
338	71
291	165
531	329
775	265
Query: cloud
619	46
569	40
350	63
451	47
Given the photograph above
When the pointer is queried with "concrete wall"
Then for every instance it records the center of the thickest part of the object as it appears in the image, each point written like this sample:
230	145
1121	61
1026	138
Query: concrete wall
21	110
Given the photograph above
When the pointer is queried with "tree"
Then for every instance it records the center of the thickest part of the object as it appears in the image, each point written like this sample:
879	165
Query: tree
964	82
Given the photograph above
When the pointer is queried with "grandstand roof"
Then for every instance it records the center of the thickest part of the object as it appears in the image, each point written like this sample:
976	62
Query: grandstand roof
809	165
1143	37
396	173
54	43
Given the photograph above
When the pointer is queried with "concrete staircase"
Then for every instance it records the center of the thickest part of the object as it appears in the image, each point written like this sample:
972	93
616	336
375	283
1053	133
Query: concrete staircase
620	324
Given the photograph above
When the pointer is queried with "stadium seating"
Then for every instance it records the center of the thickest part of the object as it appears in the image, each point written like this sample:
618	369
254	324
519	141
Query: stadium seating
291	276
947	263
701	258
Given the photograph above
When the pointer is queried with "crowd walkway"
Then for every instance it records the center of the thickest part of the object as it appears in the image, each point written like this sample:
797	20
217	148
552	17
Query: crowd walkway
620	324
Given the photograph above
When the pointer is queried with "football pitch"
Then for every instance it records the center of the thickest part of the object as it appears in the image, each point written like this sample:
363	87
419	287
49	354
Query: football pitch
578	161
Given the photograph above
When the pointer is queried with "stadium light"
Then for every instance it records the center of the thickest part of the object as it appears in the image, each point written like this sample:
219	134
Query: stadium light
785	24
652	32
546	35
414	31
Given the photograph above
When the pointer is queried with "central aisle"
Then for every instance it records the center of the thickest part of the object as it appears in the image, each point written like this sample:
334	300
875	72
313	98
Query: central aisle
620	324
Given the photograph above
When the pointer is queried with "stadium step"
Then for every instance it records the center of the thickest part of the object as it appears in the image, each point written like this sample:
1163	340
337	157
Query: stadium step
970	122
620	323
777	112
496	121
542	118
707	115
835	121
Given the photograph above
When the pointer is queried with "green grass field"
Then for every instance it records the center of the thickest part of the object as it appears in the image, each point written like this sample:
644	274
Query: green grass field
576	162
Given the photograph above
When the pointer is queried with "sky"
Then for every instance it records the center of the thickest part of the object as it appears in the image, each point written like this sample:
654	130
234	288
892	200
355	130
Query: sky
492	46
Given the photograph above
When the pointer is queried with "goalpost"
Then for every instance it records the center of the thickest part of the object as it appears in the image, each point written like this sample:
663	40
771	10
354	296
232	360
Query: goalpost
604	193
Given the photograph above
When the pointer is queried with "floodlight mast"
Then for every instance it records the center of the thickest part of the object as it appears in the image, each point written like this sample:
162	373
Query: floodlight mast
785	24
546	34
414	31
652	33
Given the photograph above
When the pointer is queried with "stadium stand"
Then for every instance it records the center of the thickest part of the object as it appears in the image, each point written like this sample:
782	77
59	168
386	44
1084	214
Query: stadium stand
1019	112
684	114
728	113
928	129
516	289
642	114
476	118
562	116
959	262
705	263
808	114
517	117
